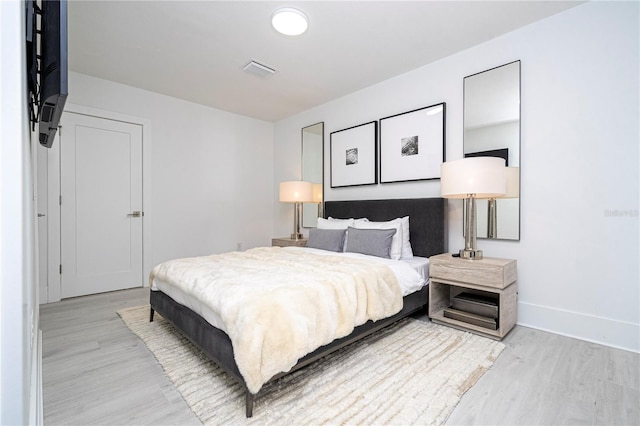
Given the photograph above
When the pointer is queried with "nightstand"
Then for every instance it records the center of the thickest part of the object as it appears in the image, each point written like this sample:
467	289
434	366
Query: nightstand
288	242
473	295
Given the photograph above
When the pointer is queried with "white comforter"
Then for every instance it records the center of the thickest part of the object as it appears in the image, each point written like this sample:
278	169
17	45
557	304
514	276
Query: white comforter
279	305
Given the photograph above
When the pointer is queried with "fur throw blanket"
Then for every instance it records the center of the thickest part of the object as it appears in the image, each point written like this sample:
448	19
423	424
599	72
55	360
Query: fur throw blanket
279	305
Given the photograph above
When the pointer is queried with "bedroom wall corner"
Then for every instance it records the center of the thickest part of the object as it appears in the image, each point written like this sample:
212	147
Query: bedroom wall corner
287	154
207	173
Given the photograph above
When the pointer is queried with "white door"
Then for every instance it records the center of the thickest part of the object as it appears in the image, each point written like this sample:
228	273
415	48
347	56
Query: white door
101	205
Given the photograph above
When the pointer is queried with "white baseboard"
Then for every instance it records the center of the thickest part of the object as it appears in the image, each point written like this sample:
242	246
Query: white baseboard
36	411
605	331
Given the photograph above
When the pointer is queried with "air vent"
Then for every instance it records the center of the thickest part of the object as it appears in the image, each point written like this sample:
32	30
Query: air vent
260	70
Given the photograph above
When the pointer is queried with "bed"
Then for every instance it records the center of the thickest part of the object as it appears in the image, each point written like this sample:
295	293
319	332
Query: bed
427	232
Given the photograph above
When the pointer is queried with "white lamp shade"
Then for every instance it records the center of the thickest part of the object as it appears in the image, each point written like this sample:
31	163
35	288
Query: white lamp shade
317	192
296	191
484	177
512	176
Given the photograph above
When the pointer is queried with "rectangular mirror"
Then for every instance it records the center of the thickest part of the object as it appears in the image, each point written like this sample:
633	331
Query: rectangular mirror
312	171
492	128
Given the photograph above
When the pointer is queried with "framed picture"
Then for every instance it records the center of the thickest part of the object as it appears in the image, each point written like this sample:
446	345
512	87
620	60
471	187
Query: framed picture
353	155
500	153
412	144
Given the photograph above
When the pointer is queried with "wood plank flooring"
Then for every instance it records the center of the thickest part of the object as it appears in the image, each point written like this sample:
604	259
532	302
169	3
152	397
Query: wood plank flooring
546	379
95	371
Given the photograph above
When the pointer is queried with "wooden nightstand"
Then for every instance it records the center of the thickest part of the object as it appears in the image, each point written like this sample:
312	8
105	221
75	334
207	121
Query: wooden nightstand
287	242
490	278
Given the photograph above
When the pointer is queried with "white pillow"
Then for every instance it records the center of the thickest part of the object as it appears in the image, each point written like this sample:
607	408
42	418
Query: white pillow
407	252
350	220
334	223
357	221
398	237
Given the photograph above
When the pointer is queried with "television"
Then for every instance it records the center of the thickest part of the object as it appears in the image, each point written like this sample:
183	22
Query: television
32	60
53	69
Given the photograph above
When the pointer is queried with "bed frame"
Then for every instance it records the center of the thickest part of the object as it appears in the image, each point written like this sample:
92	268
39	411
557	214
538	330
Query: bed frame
427	230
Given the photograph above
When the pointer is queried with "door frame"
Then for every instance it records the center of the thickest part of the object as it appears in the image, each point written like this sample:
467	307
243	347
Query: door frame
53	207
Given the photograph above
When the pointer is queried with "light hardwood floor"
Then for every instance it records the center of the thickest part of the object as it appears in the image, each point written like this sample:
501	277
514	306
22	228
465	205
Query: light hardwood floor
95	371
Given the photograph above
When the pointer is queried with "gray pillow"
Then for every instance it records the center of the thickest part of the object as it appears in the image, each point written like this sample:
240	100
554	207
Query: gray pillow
374	242
326	239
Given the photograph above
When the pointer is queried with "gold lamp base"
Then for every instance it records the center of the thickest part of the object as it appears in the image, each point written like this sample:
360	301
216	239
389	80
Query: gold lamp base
471	254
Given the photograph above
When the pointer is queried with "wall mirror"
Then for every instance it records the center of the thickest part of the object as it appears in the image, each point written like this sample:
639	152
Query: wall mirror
313	171
492	128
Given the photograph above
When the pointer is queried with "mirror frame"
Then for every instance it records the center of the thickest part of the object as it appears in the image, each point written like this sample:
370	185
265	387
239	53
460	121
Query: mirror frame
311	211
497	151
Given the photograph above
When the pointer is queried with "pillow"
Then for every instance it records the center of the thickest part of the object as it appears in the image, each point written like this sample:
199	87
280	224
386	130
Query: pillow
396	244
326	239
351	222
334	223
407	252
374	242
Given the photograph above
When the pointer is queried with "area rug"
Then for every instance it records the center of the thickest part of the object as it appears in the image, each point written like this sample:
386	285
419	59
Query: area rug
413	372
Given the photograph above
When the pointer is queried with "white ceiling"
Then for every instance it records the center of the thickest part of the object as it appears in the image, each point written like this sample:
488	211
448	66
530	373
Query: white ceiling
195	50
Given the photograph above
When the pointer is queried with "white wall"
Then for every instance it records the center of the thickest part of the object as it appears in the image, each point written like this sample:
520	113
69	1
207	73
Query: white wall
208	174
19	319
578	254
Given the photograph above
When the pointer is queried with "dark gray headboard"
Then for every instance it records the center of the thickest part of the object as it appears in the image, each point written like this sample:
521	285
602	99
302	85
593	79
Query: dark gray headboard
427	225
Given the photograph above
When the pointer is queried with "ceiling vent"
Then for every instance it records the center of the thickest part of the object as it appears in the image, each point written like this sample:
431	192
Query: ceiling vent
260	70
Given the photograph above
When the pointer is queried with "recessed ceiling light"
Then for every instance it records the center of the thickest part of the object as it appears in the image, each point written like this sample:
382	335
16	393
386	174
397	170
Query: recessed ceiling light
289	21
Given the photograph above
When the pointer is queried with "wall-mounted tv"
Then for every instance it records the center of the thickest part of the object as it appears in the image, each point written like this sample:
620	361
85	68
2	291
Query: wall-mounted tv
50	60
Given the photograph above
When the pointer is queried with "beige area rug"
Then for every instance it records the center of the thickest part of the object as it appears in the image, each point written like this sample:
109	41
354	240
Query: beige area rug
413	372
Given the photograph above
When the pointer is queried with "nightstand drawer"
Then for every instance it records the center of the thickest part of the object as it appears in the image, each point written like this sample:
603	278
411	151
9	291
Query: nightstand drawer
488	272
288	242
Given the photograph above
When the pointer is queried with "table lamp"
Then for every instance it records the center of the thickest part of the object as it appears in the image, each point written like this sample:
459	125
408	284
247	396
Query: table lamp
296	192
470	179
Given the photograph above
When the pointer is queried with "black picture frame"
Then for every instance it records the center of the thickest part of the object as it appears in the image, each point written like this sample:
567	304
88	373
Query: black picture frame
413	144
353	155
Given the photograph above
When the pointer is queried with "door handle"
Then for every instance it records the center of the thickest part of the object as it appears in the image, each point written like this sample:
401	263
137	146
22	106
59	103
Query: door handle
41	215
136	214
